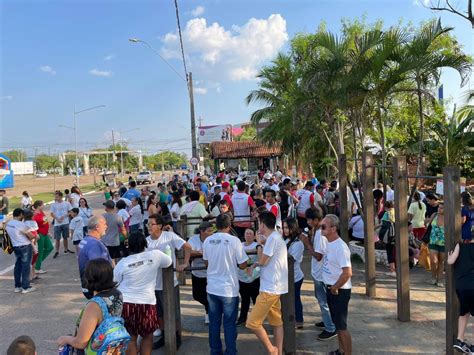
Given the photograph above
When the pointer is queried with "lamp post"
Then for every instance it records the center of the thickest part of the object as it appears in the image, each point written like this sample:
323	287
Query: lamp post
75	136
189	84
121	148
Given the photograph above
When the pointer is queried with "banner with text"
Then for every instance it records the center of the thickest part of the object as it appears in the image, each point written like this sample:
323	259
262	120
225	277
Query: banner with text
219	133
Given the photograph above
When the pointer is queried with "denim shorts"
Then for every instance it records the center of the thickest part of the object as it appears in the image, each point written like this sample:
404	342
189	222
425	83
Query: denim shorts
61	231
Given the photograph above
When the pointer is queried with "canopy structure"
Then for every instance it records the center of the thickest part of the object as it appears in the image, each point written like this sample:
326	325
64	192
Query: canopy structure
243	150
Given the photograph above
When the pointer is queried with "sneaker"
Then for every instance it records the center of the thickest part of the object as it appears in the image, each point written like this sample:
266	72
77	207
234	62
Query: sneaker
17	289
55	255
69	251
28	290
391	273
319	325
206	319
461	346
157	333
326	335
40	271
299	325
440	284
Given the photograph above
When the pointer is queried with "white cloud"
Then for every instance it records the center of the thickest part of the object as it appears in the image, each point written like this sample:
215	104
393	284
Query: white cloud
6	98
47	69
236	54
97	72
198	11
200	91
109	57
421	3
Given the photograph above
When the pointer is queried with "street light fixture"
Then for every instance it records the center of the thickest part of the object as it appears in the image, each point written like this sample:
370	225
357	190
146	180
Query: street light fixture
189	84
75	136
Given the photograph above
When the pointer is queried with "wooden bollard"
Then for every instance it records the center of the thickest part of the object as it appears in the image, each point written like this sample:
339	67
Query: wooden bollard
182	228
288	312
169	306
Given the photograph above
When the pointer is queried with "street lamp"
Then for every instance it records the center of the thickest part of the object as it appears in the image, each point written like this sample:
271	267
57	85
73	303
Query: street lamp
75	136
189	83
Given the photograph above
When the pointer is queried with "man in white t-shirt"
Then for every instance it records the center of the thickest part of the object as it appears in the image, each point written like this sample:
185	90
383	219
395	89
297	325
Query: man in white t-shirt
194	211
273	260
21	241
60	212
337	273
165	240
223	254
317	249
243	206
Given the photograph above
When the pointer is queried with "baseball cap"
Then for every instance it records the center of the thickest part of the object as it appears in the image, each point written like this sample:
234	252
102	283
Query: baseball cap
225	184
109	204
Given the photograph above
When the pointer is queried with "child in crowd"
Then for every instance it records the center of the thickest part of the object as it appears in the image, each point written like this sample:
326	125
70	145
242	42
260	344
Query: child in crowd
76	228
33	228
387	235
249	284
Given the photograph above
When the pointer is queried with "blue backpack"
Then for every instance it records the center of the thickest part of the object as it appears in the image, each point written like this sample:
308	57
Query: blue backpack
110	336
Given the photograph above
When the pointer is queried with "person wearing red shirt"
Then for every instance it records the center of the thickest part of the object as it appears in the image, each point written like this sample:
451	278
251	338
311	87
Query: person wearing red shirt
273	206
225	194
45	246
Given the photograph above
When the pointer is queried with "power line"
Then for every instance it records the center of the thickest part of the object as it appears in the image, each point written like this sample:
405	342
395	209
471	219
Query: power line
181	39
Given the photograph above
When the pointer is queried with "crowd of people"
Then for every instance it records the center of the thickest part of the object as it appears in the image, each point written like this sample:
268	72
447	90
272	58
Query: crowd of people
237	237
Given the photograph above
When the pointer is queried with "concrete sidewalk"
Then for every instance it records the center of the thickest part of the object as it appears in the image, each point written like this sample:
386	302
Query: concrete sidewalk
53	309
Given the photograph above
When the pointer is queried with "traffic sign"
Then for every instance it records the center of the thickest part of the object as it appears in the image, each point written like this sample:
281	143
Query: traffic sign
194	161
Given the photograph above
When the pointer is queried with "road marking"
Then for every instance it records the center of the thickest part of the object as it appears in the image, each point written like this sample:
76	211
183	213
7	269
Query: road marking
7	270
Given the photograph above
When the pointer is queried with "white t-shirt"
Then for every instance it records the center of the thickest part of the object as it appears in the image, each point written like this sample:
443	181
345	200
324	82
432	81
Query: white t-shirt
16	230
242	274
175	243
175	211
61	209
275	187
137	274
320	243
337	257
223	252
196	245
77	227
85	213
304	197
123	214
418	220
296	250
26	202
136	216
357	225
74	200
352	200
274	275
241	203
275	208
390	195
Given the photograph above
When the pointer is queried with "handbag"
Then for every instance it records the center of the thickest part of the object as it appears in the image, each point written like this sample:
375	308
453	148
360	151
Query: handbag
424	257
426	236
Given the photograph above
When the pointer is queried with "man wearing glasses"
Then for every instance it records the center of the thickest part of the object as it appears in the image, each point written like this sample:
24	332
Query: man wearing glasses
337	272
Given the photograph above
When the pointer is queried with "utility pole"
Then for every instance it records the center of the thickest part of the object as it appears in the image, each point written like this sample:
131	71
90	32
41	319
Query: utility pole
113	148
193	120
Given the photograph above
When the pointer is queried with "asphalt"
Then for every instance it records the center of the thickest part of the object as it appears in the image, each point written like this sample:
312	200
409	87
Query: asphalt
52	310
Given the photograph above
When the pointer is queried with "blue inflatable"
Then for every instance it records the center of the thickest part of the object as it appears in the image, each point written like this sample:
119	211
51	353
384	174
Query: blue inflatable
6	173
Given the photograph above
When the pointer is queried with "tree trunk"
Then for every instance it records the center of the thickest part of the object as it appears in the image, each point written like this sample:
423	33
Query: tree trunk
382	145
422	129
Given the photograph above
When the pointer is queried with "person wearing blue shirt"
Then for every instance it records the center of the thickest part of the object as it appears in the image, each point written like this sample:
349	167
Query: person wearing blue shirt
132	191
91	247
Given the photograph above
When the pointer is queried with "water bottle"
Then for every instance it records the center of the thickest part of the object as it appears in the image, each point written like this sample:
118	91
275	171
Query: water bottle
168	251
64	350
256	272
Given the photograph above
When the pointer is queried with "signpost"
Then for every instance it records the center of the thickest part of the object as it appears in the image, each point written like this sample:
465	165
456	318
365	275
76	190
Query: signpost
194	161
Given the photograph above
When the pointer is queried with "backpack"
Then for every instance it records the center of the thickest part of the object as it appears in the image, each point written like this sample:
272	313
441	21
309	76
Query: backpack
5	241
387	232
110	335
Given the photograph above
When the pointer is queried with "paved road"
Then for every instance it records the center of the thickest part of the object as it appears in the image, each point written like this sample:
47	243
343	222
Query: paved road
52	310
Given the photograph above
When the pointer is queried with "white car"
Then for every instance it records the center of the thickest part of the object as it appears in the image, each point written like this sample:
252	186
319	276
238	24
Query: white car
41	174
145	177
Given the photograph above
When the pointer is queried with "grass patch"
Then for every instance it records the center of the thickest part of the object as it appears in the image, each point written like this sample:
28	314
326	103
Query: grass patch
44	196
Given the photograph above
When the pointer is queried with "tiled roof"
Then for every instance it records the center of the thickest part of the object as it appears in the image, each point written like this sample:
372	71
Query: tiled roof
246	149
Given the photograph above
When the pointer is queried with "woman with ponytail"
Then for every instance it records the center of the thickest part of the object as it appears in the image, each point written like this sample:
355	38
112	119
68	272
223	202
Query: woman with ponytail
416	215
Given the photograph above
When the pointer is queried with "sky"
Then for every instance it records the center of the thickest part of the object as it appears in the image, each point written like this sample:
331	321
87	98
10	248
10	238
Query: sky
58	57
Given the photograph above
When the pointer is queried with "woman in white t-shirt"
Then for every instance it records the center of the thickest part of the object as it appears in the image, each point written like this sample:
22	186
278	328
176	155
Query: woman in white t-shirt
249	285
295	249
199	277
26	201
175	211
416	215
136	277
85	212
136	215
74	197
